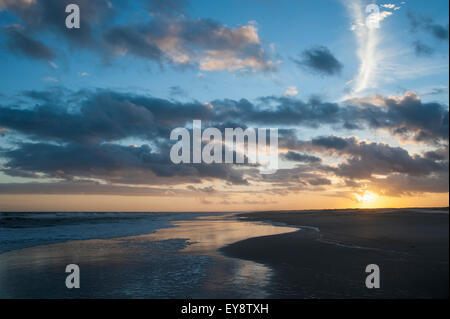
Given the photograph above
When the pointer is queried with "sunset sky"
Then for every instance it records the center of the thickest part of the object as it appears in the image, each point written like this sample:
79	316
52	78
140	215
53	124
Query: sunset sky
86	114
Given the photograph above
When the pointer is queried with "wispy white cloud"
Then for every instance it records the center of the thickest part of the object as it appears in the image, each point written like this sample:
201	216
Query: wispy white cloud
368	40
291	91
53	64
372	56
50	79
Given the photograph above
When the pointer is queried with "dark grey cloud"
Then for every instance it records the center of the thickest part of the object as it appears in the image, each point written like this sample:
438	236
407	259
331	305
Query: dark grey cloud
76	136
19	43
128	40
319	181
331	142
362	164
437	154
432	30
299	157
94	116
364	159
407	117
177	91
108	115
101	116
320	60
113	163
43	96
438	91
421	49
279	111
428	25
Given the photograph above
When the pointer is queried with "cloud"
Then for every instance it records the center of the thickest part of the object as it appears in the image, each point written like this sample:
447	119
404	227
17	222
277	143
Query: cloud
108	115
319	60
365	159
390	171
368	40
437	91
20	43
388	6
101	116
80	136
383	15
421	49
50	79
319	181
203	43
50	15
428	25
405	185
177	91
126	40
104	115
85	187
171	35
112	163
291	91
406	116
331	142
437	155
299	157
42	96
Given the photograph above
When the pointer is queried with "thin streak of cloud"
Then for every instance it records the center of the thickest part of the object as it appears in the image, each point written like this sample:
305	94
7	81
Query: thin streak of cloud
368	40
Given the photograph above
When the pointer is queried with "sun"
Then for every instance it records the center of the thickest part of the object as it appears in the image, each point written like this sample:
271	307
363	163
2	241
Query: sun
366	197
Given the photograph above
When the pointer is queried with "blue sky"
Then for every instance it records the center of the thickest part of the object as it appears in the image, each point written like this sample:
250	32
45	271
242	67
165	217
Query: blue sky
294	53
290	26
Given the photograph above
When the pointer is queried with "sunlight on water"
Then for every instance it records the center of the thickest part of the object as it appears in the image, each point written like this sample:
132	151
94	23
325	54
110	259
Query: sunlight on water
207	234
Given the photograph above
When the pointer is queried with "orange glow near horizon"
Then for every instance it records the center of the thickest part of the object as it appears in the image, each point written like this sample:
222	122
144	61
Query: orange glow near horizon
302	201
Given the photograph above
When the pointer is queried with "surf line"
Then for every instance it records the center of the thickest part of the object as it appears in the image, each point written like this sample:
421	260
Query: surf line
209	310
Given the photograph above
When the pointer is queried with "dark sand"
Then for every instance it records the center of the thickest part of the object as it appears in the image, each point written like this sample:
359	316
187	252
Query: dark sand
411	247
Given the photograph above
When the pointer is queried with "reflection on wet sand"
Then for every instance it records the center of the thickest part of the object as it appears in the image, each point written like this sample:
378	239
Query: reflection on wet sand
226	276
176	262
207	234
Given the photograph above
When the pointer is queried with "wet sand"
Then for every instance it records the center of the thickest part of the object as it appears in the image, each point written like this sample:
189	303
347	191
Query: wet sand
327	256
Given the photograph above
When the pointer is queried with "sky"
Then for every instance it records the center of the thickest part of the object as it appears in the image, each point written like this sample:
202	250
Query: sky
86	114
